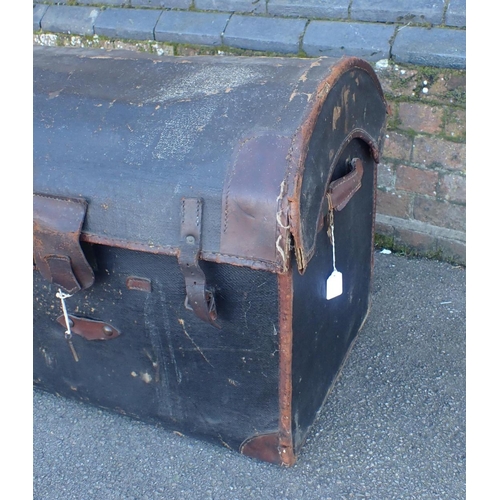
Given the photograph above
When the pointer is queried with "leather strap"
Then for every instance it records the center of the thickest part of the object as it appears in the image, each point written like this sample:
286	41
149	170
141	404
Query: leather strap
198	298
90	329
57	225
342	190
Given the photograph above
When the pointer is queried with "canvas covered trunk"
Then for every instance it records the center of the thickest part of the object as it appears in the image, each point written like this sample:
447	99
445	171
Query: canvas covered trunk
188	212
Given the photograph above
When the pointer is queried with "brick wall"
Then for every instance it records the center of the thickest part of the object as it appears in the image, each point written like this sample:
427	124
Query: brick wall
421	178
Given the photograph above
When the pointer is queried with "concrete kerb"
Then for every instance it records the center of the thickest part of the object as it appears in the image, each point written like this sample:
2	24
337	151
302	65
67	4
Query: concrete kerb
136	24
264	33
336	39
191	27
432	46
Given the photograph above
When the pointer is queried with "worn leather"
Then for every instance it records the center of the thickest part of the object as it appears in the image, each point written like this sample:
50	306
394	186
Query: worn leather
57	224
256	138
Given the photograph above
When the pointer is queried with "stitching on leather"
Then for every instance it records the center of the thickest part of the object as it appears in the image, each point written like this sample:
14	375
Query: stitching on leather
226	195
69	200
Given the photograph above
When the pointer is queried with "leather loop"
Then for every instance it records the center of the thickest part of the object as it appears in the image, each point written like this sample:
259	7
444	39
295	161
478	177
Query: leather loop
198	298
342	190
57	225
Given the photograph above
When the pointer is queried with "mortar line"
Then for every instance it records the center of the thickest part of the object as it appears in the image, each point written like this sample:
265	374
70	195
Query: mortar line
349	7
445	10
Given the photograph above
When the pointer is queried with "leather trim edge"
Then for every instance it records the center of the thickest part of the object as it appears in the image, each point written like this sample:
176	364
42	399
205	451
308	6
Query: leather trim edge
277	447
220	258
300	142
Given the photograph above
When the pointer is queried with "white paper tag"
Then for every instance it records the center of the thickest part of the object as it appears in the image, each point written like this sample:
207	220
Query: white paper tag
334	285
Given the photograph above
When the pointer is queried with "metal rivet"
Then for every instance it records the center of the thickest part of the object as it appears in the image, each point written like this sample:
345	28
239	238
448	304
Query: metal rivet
108	331
190	240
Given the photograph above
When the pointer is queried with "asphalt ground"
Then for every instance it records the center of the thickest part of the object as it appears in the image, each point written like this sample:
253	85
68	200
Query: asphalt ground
392	428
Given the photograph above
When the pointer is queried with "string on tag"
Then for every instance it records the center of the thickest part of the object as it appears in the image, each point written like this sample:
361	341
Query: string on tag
332	239
334	286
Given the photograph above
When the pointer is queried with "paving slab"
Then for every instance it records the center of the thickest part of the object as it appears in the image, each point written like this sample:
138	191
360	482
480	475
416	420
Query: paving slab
136	24
403	11
456	13
393	427
70	19
247	6
162	4
203	28
264	33
334	9
107	3
440	47
336	39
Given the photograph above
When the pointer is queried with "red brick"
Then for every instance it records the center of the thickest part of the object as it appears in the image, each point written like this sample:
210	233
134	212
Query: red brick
416	180
452	188
454	125
385	176
420	242
439	213
394	204
397	146
433	151
421	117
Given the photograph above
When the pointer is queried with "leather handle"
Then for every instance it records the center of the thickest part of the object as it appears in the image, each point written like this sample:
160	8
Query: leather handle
342	190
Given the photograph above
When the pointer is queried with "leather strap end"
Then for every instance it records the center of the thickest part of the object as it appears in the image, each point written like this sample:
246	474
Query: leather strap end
342	190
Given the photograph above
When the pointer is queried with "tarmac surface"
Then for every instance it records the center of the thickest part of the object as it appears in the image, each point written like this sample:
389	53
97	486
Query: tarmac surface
392	428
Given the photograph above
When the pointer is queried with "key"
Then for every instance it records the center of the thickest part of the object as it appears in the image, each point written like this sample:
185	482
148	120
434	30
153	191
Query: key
72	349
67	334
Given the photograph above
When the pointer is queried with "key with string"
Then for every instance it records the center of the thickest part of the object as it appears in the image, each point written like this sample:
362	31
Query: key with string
67	334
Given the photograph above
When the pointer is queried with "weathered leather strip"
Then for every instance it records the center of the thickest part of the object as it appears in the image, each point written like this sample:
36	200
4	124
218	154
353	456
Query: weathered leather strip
285	295
90	329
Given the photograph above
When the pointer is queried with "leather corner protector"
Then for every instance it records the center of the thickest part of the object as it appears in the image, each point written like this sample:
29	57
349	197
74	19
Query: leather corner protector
268	448
249	226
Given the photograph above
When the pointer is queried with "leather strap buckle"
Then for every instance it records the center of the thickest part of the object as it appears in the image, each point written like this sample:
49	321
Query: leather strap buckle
199	298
